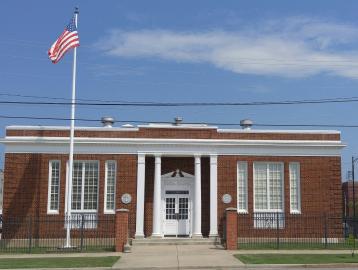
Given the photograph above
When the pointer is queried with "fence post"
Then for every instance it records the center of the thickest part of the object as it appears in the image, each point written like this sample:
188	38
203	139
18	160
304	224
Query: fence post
82	227
277	231
325	231
30	234
231	228
122	220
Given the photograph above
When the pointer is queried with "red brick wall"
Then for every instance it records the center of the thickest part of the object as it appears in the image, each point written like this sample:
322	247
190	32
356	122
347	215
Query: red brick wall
26	189
320	190
175	133
26	184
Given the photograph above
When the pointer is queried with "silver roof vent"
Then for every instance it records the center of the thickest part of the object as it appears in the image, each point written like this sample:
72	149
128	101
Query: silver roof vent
178	120
107	121
246	124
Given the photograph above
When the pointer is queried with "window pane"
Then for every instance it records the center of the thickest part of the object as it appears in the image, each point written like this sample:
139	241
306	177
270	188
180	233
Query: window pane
275	185
260	182
111	185
54	185
242	186
77	185
295	187
90	186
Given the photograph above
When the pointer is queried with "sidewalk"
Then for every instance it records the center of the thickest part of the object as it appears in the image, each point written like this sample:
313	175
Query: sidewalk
178	257
190	257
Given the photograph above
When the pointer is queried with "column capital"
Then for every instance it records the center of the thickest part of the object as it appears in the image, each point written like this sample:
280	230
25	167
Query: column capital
213	158
141	158
197	158
157	156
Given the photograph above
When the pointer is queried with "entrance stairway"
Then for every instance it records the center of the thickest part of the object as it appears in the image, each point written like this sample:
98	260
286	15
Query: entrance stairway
175	241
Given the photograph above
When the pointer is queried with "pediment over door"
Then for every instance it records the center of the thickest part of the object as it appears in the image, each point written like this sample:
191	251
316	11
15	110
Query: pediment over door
177	174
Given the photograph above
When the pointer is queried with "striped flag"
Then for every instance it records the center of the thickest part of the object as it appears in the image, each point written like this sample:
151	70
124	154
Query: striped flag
67	40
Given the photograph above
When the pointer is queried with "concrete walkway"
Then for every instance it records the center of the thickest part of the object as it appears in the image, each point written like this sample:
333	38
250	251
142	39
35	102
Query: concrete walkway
177	257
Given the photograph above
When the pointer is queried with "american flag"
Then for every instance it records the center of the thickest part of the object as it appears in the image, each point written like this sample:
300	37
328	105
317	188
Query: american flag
67	40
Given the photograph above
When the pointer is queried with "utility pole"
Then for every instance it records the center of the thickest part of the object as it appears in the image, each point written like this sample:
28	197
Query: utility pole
354	195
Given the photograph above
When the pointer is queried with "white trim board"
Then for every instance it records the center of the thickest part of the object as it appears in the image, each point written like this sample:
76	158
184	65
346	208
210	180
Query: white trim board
182	147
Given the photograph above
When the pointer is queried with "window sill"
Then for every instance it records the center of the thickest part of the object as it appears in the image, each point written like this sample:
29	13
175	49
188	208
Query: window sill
52	213
268	211
242	212
109	212
295	212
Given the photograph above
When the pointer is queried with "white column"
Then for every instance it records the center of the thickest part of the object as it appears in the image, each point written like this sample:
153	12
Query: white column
197	198
139	231
213	196
157	197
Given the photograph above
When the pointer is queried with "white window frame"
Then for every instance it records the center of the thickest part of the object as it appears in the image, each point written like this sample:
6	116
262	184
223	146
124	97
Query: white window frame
268	188
298	210
49	210
242	210
82	194
110	211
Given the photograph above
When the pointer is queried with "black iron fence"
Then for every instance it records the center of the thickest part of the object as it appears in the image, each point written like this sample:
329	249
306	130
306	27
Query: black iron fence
88	232
280	231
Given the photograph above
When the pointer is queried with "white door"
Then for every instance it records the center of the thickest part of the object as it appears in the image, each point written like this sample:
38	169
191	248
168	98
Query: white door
176	214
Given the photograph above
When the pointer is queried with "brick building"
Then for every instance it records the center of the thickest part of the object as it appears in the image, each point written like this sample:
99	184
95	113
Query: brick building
177	179
347	188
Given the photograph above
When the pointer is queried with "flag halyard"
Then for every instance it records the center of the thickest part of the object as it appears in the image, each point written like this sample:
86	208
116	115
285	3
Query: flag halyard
67	40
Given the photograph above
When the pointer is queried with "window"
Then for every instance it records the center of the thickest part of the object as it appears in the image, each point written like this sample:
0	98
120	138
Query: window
53	187
268	187
295	200
242	187
85	186
110	187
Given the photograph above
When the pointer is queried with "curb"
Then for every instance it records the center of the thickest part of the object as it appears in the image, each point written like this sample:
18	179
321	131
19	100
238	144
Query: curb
284	266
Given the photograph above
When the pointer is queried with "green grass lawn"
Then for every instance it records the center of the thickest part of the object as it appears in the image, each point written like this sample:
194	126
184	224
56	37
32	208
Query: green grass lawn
44	250
64	262
296	258
304	245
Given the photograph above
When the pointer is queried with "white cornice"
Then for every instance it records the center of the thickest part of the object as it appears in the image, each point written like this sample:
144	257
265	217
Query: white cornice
142	141
85	145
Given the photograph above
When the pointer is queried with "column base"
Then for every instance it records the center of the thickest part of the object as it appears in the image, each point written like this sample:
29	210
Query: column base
156	236
213	235
197	236
139	236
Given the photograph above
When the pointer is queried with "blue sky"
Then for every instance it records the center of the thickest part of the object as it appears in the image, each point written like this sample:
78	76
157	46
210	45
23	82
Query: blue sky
186	51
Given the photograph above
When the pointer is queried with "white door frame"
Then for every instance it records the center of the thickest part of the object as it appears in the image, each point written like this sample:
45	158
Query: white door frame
178	181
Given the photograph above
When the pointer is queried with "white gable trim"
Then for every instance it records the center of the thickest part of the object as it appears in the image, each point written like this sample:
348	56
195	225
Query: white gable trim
185	175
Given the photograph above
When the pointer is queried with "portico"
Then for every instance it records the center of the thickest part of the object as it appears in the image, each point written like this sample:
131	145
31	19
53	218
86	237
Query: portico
176	197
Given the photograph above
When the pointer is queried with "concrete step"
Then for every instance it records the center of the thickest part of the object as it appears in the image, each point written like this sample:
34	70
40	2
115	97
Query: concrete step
175	241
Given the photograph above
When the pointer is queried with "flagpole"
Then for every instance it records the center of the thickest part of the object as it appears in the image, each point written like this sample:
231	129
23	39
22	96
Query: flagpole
72	135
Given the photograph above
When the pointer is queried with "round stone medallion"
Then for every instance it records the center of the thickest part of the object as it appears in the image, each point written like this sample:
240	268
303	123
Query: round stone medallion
226	198
126	198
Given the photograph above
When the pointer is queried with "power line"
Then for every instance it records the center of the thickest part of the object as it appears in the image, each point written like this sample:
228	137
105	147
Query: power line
187	104
189	123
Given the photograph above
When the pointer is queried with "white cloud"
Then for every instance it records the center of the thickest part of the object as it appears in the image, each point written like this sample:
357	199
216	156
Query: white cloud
293	47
